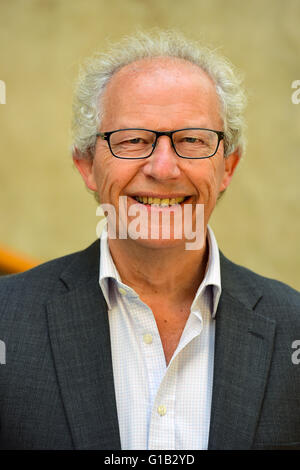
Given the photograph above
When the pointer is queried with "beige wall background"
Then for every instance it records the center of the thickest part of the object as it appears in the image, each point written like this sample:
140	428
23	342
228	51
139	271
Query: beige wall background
46	212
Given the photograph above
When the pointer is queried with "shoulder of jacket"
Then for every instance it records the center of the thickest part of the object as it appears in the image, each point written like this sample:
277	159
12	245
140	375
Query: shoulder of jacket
42	279
239	279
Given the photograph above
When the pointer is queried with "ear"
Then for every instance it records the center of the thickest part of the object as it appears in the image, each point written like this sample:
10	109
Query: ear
85	166
230	164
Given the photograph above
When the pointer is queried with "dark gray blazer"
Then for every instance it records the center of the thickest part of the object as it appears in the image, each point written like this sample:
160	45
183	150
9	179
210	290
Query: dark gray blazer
57	388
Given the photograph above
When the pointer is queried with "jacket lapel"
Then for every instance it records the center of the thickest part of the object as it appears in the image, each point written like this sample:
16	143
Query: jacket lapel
80	339
243	351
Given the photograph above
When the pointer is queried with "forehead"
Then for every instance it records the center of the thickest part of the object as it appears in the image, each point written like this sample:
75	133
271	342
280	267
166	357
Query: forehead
160	85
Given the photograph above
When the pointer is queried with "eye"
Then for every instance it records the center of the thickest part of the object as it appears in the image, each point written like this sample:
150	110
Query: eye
190	140
133	141
193	140
136	140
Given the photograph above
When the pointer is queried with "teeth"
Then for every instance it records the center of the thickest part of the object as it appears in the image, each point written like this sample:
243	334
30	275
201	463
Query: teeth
165	202
159	202
179	199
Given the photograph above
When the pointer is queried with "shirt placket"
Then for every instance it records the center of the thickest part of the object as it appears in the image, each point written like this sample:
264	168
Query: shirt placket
162	421
162	429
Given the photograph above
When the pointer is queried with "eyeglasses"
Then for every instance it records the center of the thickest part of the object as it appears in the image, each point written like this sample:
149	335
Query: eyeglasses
135	144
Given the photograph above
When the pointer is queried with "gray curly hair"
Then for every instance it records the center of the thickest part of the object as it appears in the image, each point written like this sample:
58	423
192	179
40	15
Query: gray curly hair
99	69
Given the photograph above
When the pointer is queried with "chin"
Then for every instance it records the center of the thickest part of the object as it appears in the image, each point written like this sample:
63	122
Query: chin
158	244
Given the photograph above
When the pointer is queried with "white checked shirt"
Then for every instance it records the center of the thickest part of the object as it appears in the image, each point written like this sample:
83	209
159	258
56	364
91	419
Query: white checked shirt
161	407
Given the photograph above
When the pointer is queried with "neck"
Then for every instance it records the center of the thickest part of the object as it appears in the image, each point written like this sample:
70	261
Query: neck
153	272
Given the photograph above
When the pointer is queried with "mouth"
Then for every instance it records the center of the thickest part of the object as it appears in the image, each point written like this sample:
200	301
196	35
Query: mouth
161	202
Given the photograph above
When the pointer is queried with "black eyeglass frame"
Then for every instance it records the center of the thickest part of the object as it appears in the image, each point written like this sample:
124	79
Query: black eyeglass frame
106	136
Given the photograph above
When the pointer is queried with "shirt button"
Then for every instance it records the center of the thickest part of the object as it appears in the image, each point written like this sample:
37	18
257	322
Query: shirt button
122	291
161	410
147	338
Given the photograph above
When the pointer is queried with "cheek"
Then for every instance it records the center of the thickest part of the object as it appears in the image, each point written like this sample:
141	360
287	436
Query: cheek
111	176
209	178
103	175
217	169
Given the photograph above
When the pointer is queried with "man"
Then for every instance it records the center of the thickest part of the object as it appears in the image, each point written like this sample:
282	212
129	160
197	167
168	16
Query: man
139	341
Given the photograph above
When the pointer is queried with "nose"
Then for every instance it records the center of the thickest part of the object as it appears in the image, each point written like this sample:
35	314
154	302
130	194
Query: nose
163	163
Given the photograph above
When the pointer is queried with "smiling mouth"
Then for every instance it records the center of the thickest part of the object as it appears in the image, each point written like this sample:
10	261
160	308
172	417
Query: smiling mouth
158	202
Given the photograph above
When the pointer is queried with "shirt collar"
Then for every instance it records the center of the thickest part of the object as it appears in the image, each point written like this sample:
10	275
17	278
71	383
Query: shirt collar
212	276
108	268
